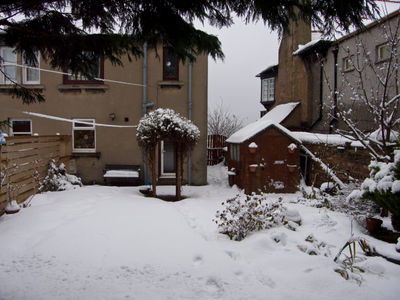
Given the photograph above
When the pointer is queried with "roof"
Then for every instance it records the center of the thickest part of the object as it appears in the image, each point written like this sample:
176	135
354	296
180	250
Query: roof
328	139
257	127
270	69
280	112
305	49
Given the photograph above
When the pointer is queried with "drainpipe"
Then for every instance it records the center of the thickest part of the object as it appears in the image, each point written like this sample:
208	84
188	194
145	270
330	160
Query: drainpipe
333	123
144	106
321	92
190	118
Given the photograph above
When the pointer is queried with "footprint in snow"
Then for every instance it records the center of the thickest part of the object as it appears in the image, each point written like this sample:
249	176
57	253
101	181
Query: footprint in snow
198	260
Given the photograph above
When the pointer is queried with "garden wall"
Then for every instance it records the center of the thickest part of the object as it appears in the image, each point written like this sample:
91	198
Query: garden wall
347	162
24	162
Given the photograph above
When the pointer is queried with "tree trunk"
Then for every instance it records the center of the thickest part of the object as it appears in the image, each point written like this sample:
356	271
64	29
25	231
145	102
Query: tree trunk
153	172
178	171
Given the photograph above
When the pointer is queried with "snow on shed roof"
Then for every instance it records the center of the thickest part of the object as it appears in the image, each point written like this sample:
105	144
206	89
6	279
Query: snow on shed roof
255	128
328	139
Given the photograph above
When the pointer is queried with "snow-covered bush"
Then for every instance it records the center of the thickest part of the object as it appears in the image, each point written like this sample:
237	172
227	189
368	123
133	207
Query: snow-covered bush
247	213
383	187
58	179
166	123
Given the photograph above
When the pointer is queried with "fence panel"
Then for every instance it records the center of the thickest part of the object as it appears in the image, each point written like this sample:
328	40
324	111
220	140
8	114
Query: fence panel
215	149
24	161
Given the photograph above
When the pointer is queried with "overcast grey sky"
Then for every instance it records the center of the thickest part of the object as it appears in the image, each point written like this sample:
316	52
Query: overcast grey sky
248	50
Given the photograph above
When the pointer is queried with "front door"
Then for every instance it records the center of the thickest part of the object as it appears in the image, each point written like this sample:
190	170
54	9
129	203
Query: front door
168	161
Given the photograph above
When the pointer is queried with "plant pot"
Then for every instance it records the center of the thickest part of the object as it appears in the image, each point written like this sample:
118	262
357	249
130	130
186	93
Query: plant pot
373	224
252	168
252	150
292	168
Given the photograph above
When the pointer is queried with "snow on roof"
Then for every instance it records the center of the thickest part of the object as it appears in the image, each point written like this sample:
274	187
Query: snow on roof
280	112
309	45
329	139
377	135
253	129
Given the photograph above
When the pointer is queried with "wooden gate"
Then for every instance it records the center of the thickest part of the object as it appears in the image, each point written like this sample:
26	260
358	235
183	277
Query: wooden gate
215	149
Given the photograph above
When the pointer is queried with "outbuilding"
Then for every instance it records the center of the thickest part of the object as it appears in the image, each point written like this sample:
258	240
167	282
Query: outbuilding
264	156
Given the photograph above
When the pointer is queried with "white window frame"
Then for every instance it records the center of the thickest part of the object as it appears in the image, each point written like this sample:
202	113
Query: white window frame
268	89
165	174
12	133
348	64
379	52
88	128
25	70
3	64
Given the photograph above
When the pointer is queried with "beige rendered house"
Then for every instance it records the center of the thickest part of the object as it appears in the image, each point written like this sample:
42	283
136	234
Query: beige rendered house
157	80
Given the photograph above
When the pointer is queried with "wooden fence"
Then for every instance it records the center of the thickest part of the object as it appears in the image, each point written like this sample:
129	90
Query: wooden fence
215	146
24	162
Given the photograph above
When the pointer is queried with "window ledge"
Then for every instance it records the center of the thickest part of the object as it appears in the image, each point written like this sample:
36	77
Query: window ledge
82	87
86	154
170	83
27	86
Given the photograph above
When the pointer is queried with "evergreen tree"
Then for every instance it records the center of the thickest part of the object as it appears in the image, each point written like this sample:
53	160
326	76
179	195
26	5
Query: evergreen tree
64	29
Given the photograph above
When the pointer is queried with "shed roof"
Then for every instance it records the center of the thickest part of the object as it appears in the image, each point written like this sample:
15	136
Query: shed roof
257	127
280	112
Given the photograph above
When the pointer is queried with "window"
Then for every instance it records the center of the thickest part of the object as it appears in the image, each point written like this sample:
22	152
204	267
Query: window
20	127
235	152
382	52
8	68
95	70
348	64
170	65
268	89
31	76
84	135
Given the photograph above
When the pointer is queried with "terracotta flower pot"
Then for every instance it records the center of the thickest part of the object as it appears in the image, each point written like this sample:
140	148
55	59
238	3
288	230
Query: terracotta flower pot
252	150
292	168
373	224
252	168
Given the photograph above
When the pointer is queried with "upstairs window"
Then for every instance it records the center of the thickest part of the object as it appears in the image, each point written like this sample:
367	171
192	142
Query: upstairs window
382	52
170	65
84	135
96	70
30	75
268	89
8	65
348	64
20	127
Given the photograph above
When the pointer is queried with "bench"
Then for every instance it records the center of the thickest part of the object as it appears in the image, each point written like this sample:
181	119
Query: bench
122	175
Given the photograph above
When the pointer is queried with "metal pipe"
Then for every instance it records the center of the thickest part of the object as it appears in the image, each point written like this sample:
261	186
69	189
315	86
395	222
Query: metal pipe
190	118
144	105
333	123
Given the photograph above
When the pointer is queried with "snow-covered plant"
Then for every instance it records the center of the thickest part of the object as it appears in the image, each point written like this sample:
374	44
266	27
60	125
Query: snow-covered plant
383	187
244	214
166	123
58	179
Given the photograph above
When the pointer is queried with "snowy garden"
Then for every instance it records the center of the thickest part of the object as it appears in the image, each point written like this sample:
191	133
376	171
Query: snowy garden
98	242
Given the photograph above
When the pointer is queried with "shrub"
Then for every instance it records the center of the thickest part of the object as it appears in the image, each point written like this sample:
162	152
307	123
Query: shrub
247	213
383	187
58	179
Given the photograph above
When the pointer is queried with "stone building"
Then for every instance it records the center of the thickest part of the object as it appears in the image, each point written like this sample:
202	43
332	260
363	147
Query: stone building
157	80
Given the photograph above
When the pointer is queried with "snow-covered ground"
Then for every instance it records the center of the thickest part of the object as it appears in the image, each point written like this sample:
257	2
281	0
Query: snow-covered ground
101	242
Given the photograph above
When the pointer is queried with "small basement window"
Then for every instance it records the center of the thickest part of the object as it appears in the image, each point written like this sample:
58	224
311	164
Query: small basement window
20	127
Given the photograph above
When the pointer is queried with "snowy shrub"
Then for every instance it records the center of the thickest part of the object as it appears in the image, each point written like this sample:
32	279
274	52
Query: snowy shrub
57	179
247	213
165	123
383	187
